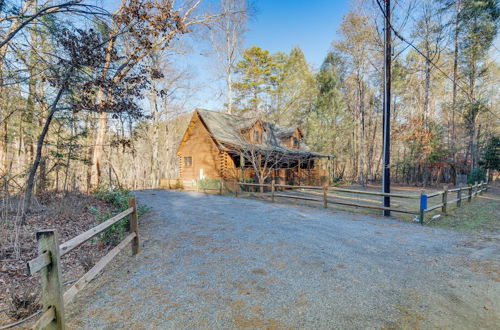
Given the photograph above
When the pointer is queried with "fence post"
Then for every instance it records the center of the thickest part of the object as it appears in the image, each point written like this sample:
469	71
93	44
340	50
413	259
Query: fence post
220	186
423	206
470	194
445	199
475	188
459	197
134	226
272	190
325	193
50	277
236	187
481	187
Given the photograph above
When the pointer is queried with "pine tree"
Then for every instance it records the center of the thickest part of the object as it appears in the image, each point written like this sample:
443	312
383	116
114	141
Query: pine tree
328	120
253	86
479	26
298	90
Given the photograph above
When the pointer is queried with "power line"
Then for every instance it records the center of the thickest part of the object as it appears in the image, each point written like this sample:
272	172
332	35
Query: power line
397	34
496	48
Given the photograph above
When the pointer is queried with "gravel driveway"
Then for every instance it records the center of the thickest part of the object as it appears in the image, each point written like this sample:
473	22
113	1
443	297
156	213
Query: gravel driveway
211	261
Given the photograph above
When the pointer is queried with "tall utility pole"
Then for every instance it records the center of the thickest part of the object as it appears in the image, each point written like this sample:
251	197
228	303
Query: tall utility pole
386	176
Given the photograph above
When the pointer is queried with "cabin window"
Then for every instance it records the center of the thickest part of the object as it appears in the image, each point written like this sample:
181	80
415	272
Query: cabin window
256	137
188	161
295	142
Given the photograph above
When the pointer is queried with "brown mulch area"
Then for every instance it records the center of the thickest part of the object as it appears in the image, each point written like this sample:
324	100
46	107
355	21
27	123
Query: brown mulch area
70	215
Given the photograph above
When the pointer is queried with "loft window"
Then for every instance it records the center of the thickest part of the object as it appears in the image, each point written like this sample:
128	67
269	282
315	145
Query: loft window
188	161
256	137
295	142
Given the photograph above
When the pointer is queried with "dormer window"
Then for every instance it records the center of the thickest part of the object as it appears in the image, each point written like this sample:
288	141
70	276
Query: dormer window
295	142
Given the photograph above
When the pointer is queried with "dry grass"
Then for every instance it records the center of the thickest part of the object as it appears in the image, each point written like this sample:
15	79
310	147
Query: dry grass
482	213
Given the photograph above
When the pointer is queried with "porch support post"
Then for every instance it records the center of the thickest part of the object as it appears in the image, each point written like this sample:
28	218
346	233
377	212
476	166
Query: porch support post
242	166
309	171
298	171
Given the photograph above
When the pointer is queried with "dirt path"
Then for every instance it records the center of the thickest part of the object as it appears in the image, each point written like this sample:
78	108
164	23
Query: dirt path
221	262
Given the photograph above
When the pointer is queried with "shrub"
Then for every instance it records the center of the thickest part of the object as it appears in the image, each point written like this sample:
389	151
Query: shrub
336	180
178	185
118	198
208	184
114	233
476	175
248	188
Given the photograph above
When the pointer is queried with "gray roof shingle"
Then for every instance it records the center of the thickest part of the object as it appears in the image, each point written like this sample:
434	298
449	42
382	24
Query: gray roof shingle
227	130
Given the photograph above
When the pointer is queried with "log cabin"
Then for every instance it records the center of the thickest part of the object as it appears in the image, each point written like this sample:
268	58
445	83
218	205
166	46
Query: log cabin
218	145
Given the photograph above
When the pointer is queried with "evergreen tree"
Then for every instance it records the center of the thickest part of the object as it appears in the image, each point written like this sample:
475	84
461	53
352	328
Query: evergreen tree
298	89
491	157
328	120
255	76
479	26
278	87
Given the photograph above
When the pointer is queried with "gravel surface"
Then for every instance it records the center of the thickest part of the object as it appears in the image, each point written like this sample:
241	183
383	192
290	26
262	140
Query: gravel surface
211	261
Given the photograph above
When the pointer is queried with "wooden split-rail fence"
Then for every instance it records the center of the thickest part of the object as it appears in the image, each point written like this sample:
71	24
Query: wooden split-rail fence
466	192
48	263
462	193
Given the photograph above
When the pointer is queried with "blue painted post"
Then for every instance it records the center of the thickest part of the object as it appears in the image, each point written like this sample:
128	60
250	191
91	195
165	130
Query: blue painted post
423	206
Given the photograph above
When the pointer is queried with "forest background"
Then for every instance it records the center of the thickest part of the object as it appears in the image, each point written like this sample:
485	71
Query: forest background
96	94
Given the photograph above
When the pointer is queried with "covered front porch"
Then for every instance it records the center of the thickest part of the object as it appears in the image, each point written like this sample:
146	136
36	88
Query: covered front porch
307	170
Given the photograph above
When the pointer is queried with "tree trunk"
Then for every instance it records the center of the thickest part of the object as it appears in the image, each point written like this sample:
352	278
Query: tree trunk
95	173
229	92
38	155
362	133
155	143
452	139
99	150
425	115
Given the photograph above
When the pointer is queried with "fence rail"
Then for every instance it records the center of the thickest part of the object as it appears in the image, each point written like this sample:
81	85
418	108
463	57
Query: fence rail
472	190
328	200
48	263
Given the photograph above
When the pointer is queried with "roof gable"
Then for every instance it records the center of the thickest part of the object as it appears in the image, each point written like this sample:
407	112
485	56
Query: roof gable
227	131
195	118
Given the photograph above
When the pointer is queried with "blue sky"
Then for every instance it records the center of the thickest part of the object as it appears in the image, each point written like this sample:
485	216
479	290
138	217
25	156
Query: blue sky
312	25
279	25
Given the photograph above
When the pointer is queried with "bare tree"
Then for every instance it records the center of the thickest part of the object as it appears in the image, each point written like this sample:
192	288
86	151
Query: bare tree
227	38
430	33
53	108
264	161
144	26
164	107
356	51
82	52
